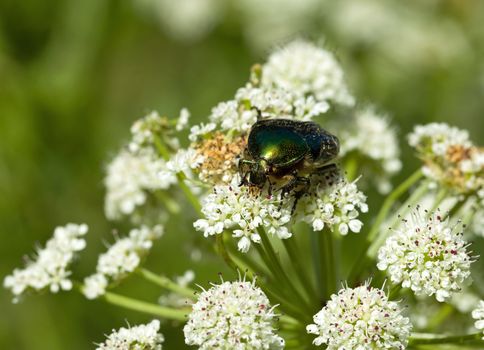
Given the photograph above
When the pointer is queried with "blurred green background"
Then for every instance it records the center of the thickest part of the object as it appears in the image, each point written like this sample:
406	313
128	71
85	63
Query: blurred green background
74	75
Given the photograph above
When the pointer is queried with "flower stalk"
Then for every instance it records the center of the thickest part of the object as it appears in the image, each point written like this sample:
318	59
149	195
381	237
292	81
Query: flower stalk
145	307
167	283
466	339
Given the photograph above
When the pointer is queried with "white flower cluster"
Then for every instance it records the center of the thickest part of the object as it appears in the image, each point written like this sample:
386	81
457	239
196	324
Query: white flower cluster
130	177
298	82
233	315
238	209
478	315
121	259
142	337
434	139
145	130
450	158
427	256
305	69
50	269
371	136
361	318
330	202
139	169
183	161
334	203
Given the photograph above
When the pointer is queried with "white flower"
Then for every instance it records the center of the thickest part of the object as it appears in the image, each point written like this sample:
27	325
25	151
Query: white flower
233	315
200	130
142	337
230	117
129	179
95	286
478	315
236	208
182	121
434	139
183	161
303	68
449	157
371	136
360	319
333	202
145	130
121	259
50	268
427	256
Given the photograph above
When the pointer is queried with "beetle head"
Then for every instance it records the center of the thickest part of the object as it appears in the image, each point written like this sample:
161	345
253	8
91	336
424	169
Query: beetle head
258	173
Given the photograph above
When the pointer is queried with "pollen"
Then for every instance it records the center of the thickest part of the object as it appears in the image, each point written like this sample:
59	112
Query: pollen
220	157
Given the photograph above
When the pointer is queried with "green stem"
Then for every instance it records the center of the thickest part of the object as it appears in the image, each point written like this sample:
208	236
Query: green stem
170	204
144	307
188	193
327	263
284	319
405	208
316	257
165	154
422	339
439	198
276	268
445	311
394	291
219	239
373	241
161	148
167	283
351	166
301	271
390	200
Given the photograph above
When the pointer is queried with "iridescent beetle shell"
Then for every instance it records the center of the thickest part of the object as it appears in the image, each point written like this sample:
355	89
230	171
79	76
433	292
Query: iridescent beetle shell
284	142
279	147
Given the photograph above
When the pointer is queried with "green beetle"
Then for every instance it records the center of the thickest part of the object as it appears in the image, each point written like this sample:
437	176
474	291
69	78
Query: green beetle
285	152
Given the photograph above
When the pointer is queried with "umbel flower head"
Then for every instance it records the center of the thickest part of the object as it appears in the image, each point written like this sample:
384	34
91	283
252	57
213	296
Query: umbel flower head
139	169
449	157
329	202
142	337
361	318
50	267
130	178
427	255
232	315
306	69
121	259
369	135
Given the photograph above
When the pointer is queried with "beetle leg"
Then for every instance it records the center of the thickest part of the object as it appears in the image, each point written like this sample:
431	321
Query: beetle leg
330	172
244	170
269	190
259	113
327	168
295	182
